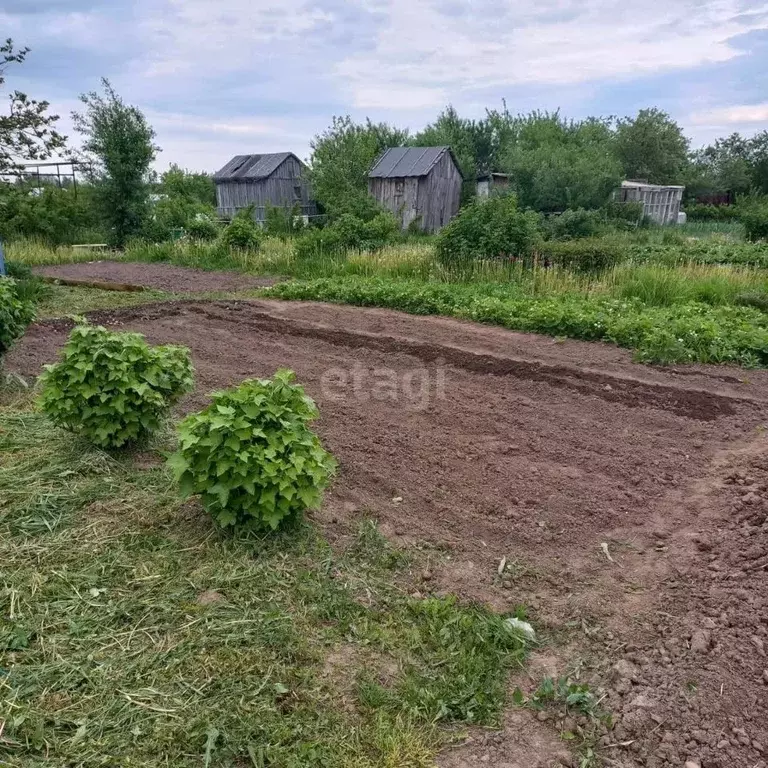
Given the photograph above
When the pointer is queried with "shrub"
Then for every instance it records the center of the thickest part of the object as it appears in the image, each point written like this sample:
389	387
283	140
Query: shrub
706	212
318	243
113	388
588	255
625	216
28	286
251	456
283	222
242	233
202	228
16	313
754	217
348	232
489	229
571	225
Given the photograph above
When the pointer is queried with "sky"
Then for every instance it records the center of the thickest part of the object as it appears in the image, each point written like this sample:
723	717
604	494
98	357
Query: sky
218	78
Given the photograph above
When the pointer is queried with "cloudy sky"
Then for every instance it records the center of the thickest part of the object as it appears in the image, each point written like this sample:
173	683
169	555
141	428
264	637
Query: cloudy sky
219	78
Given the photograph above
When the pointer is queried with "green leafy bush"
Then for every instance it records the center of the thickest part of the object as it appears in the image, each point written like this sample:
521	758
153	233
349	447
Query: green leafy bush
202	228
242	233
16	313
113	388
348	232
571	225
283	222
251	456
754	217
705	212
624	216
592	254
489	229
29	287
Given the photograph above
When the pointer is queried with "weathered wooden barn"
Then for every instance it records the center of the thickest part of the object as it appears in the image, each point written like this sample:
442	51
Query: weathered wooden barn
278	179
418	184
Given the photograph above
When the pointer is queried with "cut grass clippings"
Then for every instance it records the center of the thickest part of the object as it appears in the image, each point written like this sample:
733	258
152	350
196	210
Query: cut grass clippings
681	333
133	633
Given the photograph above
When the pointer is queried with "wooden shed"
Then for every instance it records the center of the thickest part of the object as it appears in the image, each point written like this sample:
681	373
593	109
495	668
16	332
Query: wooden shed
418	184
660	203
492	183
278	179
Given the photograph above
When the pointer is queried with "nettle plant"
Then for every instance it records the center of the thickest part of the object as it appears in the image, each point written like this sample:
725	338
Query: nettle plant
113	388
16	313
251	456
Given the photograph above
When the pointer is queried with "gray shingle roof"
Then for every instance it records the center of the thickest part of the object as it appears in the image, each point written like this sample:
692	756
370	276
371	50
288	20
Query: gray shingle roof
251	167
397	162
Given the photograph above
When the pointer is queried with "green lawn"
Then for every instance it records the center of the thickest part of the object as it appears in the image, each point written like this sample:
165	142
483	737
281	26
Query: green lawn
132	631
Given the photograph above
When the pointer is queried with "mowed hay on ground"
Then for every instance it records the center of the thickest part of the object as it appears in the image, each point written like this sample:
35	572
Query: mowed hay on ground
535	455
133	631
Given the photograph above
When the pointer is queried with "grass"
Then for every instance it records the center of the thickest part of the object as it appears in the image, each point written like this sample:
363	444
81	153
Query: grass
60	300
38	253
132	630
670	302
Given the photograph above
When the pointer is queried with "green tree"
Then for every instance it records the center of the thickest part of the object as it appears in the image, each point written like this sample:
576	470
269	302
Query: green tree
57	215
187	185
341	158
118	144
27	132
473	142
183	196
556	164
651	146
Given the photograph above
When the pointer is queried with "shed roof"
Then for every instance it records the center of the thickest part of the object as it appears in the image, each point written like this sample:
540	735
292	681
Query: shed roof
252	167
629	184
398	162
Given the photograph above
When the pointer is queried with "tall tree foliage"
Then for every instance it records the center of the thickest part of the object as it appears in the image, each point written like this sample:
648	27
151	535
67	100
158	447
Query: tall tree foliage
651	146
118	144
187	185
183	197
557	164
27	132
342	156
736	163
473	141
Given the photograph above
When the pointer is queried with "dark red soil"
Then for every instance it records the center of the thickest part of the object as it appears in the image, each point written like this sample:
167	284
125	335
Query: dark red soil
540	453
162	277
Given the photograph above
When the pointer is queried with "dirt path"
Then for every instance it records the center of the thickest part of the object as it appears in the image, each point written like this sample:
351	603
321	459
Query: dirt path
163	277
487	444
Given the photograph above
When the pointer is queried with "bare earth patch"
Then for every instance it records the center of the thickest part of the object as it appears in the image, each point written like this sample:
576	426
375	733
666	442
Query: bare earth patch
629	503
162	277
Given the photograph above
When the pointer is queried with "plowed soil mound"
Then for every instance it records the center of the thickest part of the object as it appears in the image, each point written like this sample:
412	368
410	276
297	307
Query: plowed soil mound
630	503
163	277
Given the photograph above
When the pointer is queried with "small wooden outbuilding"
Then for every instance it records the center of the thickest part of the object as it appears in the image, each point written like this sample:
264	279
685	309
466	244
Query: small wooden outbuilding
418	184
492	182
278	179
660	203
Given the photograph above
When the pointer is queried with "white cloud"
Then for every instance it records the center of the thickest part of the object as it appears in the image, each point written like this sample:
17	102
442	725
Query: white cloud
234	36
497	43
740	114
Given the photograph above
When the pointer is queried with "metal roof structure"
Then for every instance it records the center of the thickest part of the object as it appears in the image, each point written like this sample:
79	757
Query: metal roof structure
629	184
399	162
252	167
